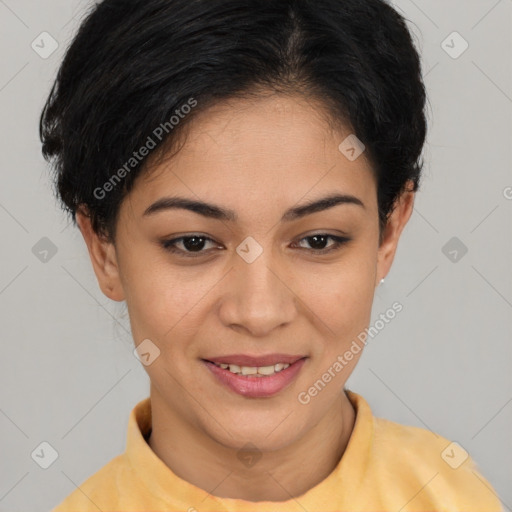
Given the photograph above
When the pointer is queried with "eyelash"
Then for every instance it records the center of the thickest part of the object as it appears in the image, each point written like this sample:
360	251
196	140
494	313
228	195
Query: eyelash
170	245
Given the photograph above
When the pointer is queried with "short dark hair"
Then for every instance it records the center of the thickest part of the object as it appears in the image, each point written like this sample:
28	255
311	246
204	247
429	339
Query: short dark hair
135	63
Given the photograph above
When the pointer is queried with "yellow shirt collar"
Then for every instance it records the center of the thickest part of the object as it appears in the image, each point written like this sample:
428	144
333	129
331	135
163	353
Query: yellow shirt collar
160	480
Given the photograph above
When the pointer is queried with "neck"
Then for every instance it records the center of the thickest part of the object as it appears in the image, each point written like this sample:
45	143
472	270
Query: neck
278	475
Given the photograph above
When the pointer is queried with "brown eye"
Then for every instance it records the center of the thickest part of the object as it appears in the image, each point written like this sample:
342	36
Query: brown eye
318	242
193	245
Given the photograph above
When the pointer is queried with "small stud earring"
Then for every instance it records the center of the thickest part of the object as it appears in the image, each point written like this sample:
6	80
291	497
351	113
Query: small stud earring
381	281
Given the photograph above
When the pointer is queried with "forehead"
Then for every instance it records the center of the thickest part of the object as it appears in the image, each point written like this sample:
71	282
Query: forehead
270	148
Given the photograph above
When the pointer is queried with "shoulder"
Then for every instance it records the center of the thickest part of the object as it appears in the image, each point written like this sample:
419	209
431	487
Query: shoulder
434	465
414	444
98	491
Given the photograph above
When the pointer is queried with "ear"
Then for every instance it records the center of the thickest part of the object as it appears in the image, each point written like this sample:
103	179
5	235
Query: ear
103	258
396	222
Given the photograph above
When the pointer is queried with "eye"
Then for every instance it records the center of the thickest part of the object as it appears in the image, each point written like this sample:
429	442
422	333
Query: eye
318	242
193	245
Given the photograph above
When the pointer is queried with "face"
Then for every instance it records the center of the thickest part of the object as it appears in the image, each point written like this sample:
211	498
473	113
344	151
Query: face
255	275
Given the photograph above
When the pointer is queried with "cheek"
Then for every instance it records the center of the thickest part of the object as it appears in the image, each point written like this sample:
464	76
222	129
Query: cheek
162	301
342	295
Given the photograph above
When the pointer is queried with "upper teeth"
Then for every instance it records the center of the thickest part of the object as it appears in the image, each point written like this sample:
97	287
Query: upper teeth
258	371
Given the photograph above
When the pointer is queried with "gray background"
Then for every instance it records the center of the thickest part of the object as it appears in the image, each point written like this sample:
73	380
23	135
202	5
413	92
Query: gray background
69	376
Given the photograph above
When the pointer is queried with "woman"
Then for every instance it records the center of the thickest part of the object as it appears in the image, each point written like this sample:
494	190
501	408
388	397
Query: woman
241	172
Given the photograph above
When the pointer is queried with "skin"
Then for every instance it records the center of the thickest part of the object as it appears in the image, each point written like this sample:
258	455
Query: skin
258	158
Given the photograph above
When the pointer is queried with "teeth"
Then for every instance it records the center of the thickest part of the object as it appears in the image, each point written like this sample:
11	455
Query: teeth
266	370
257	371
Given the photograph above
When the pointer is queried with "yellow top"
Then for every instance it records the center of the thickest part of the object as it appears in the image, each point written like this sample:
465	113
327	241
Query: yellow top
386	466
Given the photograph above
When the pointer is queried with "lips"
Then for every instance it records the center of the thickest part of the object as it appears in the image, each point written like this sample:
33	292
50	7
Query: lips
247	360
255	386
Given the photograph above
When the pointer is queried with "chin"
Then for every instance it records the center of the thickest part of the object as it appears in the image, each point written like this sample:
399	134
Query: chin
262	429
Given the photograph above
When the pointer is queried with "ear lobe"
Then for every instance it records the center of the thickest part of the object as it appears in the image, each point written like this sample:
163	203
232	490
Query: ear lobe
103	257
396	223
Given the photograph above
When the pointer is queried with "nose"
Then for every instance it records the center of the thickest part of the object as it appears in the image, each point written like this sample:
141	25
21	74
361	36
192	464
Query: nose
259	296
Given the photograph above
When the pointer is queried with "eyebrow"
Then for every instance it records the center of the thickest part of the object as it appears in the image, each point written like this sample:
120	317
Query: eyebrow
217	212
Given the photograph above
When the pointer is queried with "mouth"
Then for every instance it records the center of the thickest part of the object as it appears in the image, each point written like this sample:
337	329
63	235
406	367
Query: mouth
256	377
